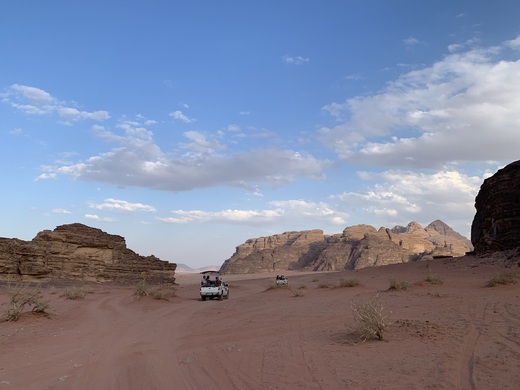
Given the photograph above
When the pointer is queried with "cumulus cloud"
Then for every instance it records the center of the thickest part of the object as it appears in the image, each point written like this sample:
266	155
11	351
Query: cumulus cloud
200	161
280	212
179	115
463	108
35	101
403	196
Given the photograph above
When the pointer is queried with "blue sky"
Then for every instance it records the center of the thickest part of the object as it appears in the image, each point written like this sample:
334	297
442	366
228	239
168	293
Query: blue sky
190	126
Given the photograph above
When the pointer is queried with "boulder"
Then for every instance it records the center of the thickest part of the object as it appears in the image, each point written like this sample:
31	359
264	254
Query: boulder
496	225
77	251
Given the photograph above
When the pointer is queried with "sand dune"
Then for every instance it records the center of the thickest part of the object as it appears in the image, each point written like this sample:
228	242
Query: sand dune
456	335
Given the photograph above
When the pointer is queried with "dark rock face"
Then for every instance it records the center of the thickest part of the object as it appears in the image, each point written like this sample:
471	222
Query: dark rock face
357	247
77	251
496	225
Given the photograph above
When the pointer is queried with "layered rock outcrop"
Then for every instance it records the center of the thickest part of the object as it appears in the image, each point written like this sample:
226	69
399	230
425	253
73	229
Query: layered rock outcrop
357	247
496	225
77	251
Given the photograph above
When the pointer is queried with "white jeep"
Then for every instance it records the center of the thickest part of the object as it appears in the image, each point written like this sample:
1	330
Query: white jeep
281	280
212	286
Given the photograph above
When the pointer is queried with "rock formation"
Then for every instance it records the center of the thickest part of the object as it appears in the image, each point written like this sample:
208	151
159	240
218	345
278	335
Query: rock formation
357	247
77	251
496	225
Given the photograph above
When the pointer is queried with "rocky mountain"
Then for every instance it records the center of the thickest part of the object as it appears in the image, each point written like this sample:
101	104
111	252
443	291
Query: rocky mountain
357	247
77	251
496	225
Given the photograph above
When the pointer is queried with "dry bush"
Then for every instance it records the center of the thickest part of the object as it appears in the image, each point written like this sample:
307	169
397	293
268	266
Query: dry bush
325	285
273	285
433	279
74	292
164	293
298	293
21	296
143	289
352	282
369	319
395	285
503	277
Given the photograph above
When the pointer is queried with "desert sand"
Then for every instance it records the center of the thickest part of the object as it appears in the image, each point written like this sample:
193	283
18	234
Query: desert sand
456	335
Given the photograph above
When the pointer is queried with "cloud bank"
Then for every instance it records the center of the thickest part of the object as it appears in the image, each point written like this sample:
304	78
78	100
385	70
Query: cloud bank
463	108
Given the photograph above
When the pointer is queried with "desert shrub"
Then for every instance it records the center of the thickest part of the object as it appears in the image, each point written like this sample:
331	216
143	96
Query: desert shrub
21	296
273	285
503	277
369	319
298	292
433	279
324	285
141	289
397	285
74	292
351	282
315	280
164	293
144	289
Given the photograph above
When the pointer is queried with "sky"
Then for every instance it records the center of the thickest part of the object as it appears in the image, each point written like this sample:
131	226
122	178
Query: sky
188	127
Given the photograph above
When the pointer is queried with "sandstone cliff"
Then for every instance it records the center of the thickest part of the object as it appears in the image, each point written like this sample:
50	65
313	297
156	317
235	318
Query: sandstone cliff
496	225
76	251
357	247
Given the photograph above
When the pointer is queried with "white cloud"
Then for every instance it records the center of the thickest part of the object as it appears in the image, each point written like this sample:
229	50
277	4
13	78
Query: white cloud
403	196
297	60
411	41
179	115
35	101
96	217
121	205
514	43
280	212
60	211
463	108
200	162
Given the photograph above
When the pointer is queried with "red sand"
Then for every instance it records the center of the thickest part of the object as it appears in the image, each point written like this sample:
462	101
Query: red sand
457	335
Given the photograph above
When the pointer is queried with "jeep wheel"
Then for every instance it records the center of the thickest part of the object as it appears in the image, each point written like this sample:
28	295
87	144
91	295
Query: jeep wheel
220	297
203	297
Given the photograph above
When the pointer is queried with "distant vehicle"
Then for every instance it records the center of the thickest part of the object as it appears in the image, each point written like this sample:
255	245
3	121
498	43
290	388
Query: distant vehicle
212	286
281	280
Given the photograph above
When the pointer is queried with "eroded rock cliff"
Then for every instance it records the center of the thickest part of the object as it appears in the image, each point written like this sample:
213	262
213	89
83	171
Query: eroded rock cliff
357	247
496	225
77	251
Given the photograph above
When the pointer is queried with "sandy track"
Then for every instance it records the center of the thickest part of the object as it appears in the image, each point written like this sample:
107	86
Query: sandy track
458	335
